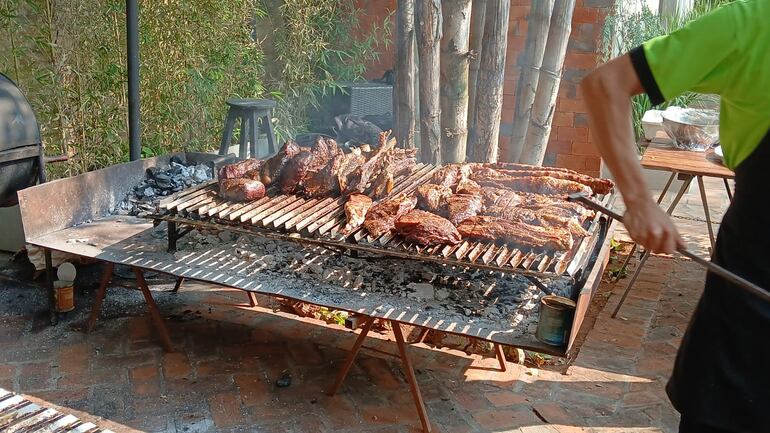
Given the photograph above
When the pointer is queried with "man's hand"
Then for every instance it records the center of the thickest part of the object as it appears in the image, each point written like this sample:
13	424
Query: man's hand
651	227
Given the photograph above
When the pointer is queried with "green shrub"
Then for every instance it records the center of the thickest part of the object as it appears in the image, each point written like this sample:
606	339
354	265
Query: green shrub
68	56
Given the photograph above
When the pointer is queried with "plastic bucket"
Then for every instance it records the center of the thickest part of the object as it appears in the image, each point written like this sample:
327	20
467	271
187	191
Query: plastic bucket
64	293
555	319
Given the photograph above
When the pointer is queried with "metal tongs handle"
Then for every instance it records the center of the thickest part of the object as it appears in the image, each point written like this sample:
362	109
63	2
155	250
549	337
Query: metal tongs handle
711	266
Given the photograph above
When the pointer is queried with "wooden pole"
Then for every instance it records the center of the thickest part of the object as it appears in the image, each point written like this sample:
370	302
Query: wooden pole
428	17
454	79
404	112
478	11
489	96
537	34
539	129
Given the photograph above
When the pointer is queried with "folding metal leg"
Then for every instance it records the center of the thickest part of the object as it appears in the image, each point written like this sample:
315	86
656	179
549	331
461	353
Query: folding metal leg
685	184
178	284
660	200
96	308
53	314
410	377
352	356
160	326
706	212
501	357
252	299
729	191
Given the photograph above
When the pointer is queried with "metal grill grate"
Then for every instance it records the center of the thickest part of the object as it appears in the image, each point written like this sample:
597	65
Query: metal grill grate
19	415
319	221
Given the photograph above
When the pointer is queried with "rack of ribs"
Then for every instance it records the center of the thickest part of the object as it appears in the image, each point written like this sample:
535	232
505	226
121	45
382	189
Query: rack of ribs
494	229
459	207
451	175
425	228
545	185
381	218
544	217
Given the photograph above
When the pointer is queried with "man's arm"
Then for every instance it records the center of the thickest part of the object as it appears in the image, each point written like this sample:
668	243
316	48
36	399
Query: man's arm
607	93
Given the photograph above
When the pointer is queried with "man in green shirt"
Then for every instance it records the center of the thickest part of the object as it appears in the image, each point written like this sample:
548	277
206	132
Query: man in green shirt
721	378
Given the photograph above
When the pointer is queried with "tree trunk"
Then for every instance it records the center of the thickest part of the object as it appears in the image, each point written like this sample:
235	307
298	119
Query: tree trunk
404	99
454	79
428	17
478	11
537	35
489	98
543	108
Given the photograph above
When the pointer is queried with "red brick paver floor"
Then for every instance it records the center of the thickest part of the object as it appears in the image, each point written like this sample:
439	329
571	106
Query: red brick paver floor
223	375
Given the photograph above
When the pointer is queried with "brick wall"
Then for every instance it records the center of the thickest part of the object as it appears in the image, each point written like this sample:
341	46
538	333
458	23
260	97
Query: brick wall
570	145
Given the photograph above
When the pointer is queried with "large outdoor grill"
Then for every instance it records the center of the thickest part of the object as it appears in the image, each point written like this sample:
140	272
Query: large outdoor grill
320	221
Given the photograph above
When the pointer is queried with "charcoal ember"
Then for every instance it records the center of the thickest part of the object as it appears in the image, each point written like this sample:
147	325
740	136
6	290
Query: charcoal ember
142	199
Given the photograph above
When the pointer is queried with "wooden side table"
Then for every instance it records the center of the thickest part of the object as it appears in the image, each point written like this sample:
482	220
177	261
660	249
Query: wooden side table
686	166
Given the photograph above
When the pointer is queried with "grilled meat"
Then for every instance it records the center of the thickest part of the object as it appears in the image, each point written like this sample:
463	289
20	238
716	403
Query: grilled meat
425	228
382	185
403	161
451	175
523	235
467	186
599	186
543	217
355	211
381	218
459	207
360	176
430	197
556	206
348	163
324	182
295	171
538	185
239	169
241	189
271	170
500	197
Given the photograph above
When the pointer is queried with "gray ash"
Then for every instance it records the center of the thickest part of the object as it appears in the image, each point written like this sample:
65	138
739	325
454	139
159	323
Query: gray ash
160	182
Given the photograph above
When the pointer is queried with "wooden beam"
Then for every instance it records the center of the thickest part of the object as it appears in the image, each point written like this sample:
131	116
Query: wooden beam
428	17
489	97
454	79
478	12
404	110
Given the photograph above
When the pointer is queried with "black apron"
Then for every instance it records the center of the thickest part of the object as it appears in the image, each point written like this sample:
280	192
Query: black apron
722	372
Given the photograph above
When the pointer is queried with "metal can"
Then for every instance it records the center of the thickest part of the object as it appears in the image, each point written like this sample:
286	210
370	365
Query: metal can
64	293
555	319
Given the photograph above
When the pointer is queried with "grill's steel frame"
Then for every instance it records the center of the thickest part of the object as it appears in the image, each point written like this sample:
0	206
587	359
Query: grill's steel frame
319	221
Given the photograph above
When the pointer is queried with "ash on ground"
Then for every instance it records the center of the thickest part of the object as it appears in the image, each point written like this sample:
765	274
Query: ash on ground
473	295
160	182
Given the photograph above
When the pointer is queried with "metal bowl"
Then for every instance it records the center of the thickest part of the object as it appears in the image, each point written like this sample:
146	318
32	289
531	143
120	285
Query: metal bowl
692	129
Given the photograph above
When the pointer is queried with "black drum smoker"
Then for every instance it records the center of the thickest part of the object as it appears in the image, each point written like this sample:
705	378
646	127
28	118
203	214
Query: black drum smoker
21	151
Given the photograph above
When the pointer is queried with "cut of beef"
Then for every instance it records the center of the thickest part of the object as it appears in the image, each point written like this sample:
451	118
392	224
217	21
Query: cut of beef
348	163
381	218
487	228
599	186
239	169
459	207
271	170
361	175
425	228
430	197
451	175
295	171
356	209
467	186
544	217
545	185
500	197
382	185
241	189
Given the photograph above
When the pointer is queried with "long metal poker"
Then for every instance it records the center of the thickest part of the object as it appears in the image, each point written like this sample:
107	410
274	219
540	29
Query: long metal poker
711	266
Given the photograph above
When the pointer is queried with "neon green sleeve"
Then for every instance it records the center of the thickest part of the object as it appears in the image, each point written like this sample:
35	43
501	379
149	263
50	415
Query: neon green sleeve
696	57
